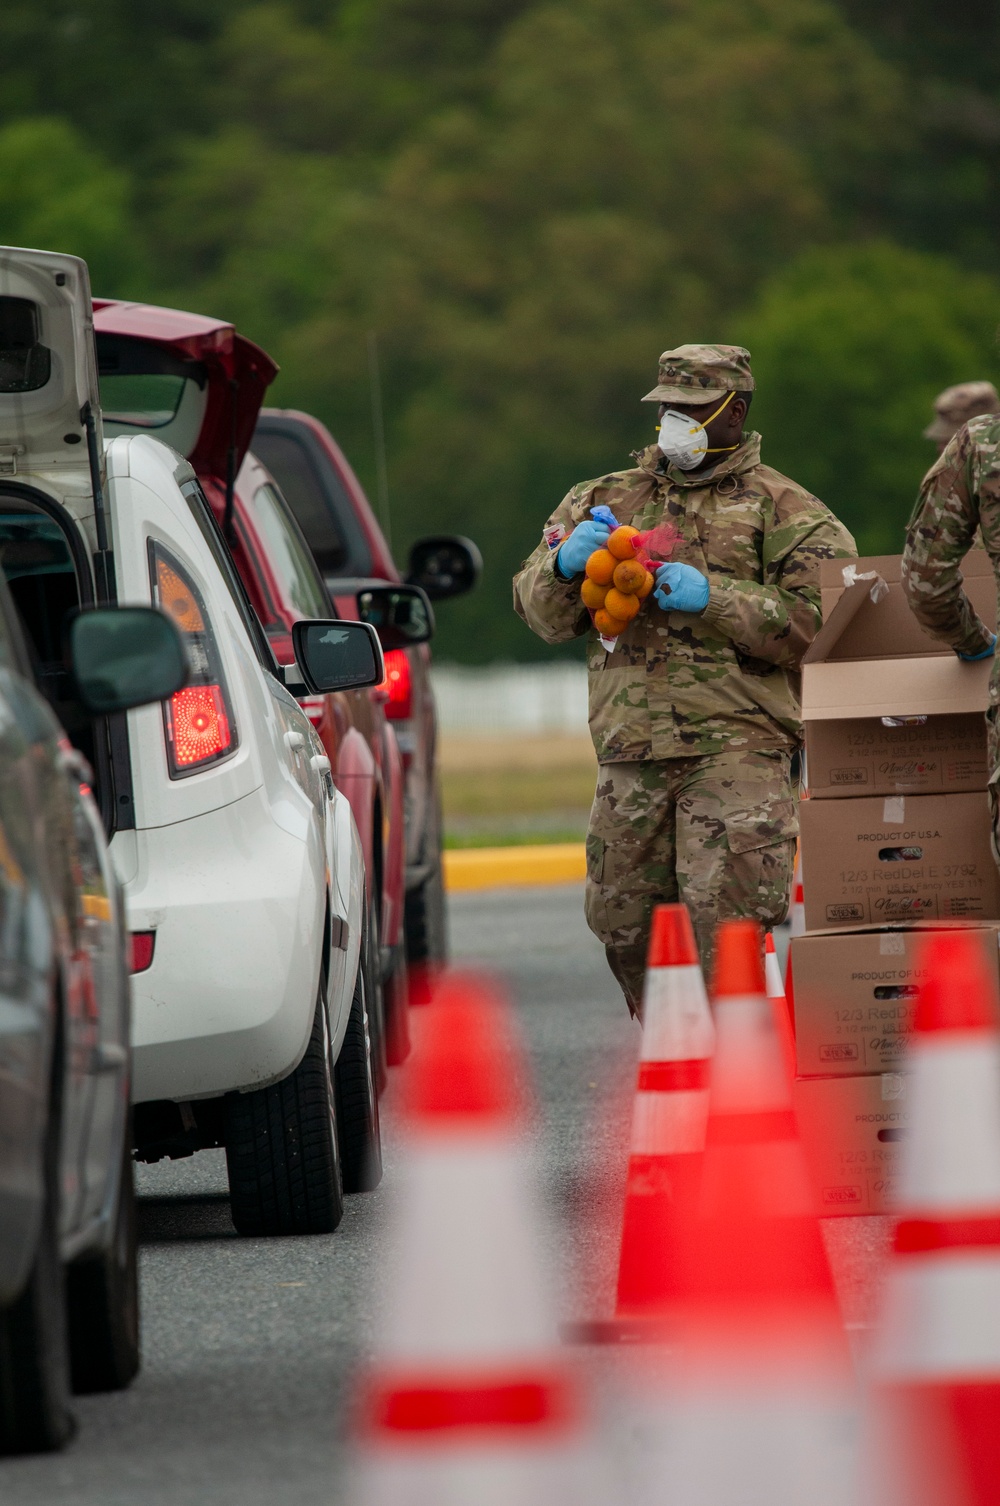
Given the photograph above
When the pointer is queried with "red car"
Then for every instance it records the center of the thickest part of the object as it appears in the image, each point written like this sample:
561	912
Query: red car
351	550
197	385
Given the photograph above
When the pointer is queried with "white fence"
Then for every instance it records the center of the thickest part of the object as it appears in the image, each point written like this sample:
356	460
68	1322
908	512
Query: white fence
495	699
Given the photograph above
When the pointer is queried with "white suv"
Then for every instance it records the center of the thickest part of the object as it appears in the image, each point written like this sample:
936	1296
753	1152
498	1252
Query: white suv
240	862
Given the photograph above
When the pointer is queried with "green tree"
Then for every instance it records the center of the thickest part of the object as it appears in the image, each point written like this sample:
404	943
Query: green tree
850	345
57	193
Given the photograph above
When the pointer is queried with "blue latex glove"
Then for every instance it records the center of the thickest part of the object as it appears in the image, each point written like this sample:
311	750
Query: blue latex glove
575	551
602	514
987	653
687	588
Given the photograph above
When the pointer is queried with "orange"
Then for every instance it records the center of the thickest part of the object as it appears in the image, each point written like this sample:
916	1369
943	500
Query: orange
621	606
608	625
592	595
629	577
620	542
601	567
646	586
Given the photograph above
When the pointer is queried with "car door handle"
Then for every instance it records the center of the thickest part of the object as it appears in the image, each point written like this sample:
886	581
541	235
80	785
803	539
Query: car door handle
295	741
109	1057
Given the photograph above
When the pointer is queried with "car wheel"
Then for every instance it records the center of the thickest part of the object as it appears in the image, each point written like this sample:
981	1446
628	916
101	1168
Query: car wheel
282	1150
357	1096
103	1300
426	924
34	1343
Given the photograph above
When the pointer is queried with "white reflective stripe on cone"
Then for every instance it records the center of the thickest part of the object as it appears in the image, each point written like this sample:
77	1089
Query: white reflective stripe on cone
677	1022
467	1197
666	1124
952	1160
940	1318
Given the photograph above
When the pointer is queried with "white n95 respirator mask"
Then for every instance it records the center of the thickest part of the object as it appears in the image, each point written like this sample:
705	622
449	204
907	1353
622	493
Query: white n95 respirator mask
684	441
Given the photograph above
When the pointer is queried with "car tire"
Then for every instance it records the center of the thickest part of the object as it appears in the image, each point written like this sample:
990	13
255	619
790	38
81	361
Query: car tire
34	1341
358	1125
426	921
282	1149
103	1301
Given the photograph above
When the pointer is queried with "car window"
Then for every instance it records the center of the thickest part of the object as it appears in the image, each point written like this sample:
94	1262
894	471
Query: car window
288	555
205	518
320	502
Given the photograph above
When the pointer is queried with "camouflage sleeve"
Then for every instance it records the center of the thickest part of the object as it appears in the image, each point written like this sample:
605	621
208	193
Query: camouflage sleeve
939	535
550	605
776	618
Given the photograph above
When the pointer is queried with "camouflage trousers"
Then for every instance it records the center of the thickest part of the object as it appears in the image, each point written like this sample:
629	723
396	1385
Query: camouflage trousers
716	832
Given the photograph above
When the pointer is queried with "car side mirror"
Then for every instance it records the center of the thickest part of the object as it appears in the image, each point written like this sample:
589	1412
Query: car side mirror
337	655
444	565
401	615
125	656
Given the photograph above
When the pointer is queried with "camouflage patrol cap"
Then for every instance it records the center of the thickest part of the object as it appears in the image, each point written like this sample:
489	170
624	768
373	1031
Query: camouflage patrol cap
701	374
956	405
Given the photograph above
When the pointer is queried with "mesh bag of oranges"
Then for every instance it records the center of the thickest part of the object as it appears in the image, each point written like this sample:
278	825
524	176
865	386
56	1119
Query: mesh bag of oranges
619	577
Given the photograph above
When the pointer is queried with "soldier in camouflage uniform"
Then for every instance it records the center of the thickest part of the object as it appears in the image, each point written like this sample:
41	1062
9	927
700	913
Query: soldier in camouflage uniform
960	493
956	405
695	712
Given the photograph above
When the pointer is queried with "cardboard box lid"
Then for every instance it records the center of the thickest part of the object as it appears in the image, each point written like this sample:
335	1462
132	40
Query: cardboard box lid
935	685
866	615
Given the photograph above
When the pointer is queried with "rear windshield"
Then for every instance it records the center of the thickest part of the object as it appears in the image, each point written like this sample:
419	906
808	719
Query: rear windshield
318	498
145	388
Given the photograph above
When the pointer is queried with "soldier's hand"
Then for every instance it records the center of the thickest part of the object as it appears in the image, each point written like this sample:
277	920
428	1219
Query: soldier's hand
575	551
681	588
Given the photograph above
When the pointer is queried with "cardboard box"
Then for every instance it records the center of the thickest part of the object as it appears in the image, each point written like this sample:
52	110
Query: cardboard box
892	755
852	1131
854	994
897	858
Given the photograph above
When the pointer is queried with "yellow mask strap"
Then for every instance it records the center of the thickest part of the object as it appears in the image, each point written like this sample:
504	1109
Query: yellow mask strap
722	448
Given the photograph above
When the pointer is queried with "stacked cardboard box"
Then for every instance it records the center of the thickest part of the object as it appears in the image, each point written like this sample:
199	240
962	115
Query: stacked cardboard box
895	840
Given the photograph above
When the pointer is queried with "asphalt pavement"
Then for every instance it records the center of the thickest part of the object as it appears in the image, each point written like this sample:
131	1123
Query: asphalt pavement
250	1345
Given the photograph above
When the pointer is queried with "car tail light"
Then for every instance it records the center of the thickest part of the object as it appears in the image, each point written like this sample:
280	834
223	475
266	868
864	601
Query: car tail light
397	685
314	707
141	957
198	721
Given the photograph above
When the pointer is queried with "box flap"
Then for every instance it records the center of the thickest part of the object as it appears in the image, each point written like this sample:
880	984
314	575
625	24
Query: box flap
865	586
836	933
924	685
887	629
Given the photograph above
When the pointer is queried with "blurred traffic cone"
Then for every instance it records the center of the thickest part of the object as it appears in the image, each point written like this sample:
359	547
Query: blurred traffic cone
936	1359
761	1398
668	1128
782	1009
469	1401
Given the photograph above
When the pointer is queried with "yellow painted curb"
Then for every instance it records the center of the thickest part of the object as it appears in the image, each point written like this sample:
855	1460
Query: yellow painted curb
499	867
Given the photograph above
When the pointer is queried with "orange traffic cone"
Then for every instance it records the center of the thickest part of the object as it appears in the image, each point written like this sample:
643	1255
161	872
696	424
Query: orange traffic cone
469	1401
779	1003
668	1120
760	1398
936	1359
668	1131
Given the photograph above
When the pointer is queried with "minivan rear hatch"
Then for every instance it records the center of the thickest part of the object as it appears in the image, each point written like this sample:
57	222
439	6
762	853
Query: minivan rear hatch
187	380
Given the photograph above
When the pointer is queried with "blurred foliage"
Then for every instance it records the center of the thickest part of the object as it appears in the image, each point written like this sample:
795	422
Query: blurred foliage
527	200
851	345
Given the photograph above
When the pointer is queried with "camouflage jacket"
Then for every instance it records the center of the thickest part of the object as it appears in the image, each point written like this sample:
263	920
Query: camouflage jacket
961	492
679	684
